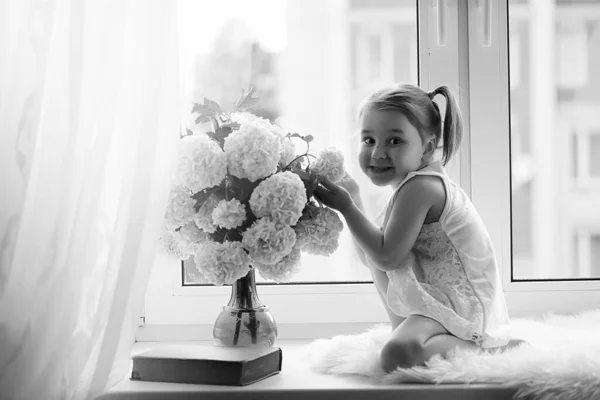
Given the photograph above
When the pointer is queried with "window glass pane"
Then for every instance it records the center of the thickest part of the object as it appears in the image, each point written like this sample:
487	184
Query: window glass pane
312	62
555	103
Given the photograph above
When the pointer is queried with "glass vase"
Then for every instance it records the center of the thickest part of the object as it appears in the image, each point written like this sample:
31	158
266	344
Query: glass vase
245	321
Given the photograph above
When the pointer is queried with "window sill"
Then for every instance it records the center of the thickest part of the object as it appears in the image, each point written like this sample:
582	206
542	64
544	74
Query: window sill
298	381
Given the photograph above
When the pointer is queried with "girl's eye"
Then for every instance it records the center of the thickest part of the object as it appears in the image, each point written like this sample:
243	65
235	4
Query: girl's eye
368	140
395	141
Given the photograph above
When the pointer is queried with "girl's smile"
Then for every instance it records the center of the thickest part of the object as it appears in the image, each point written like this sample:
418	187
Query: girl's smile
379	170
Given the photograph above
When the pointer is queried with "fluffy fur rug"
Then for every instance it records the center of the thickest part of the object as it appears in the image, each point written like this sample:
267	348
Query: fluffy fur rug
560	359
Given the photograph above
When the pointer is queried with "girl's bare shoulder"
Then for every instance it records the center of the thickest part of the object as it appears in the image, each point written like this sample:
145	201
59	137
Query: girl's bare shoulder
430	190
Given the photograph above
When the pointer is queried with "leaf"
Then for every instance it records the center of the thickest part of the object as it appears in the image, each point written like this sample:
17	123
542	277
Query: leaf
202	109
208	111
219	235
306	138
203	195
213	136
200	202
220	191
234	235
220	135
212	106
309	180
310	188
310	211
249	103
232	124
240	99
243	188
202	119
222	132
250	219
246	100
302	174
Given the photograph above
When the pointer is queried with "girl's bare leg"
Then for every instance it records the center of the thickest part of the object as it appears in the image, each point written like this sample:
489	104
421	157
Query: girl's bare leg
417	340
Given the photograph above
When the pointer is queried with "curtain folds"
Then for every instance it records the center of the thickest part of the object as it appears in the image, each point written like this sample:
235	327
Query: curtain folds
89	116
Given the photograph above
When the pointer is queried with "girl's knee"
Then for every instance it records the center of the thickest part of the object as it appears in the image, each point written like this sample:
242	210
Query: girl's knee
401	354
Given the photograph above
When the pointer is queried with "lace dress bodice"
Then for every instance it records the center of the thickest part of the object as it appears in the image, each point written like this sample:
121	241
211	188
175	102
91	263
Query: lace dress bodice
451	274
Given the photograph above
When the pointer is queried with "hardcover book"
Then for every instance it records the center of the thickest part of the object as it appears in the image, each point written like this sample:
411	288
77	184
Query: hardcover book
205	364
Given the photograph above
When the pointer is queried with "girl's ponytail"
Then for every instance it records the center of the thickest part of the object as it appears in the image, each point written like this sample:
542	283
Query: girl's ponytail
452	129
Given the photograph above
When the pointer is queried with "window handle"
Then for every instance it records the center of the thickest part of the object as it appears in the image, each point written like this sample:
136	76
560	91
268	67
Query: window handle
485	13
441	24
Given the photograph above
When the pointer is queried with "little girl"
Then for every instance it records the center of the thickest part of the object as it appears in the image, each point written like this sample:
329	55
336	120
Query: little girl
430	254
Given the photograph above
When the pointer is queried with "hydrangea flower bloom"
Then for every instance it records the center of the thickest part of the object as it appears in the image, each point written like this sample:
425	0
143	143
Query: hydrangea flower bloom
203	218
169	245
268	242
229	214
281	196
202	163
180	207
222	263
283	270
330	164
319	235
288	148
189	237
253	151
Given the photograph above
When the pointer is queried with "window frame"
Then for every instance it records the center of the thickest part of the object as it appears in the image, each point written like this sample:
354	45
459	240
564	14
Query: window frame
460	61
490	118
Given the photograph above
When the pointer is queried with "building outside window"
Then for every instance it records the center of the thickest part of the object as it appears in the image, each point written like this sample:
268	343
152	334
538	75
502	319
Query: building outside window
555	123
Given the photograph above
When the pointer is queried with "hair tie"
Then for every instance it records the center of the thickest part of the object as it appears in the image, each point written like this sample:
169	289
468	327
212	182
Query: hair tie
432	94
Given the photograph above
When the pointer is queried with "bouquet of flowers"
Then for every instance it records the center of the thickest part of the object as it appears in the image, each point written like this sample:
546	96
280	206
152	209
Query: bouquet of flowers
242	197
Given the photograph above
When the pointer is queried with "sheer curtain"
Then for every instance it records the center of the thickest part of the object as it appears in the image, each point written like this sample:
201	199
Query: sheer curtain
89	120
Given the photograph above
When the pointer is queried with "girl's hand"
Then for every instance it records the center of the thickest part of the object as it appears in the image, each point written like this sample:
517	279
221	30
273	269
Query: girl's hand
332	195
351	186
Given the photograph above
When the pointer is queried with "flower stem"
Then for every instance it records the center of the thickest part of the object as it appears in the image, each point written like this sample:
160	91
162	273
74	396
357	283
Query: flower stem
300	156
214	123
238	325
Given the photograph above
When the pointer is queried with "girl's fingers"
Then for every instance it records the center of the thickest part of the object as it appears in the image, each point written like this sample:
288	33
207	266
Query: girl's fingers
332	187
322	194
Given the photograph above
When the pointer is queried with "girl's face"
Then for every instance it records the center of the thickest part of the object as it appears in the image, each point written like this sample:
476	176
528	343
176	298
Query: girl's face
390	148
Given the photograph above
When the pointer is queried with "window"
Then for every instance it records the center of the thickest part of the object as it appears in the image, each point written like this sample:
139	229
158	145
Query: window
310	69
533	205
553	127
313	61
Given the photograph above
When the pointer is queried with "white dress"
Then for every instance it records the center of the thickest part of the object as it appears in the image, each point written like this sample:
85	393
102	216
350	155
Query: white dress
451	273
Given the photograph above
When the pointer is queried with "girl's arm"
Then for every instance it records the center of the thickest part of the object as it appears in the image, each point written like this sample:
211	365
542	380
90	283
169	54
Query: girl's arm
361	254
410	207
353	189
